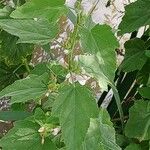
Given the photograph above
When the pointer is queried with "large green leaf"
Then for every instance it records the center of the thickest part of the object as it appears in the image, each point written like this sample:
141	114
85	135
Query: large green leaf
145	92
12	52
50	9
138	125
94	66
25	136
135	57
136	15
101	134
32	87
30	31
75	106
101	42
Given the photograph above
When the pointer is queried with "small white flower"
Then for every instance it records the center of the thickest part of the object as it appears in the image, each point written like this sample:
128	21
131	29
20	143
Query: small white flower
35	19
55	131
47	94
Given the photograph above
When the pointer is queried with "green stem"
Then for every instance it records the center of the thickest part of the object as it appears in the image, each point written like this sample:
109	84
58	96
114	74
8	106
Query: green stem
73	39
26	65
118	102
17	69
72	49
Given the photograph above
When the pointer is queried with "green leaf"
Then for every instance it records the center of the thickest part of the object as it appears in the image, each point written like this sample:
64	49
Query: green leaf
100	39
58	70
32	87
12	52
40	68
5	12
138	125
135	53
136	15
50	9
30	31
47	105
72	17
133	147
19	3
94	66
122	140
74	106
39	116
147	53
101	134
55	69
101	42
13	115
143	75
25	136
145	92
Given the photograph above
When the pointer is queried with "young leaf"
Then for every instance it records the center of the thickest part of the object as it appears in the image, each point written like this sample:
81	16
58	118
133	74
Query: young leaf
145	92
24	135
30	31
135	50
138	125
136	15
40	68
101	134
32	87
50	9
58	70
75	106
39	116
13	52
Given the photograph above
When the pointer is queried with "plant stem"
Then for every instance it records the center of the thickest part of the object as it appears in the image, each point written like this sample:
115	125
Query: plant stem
73	41
17	69
119	119
26	65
